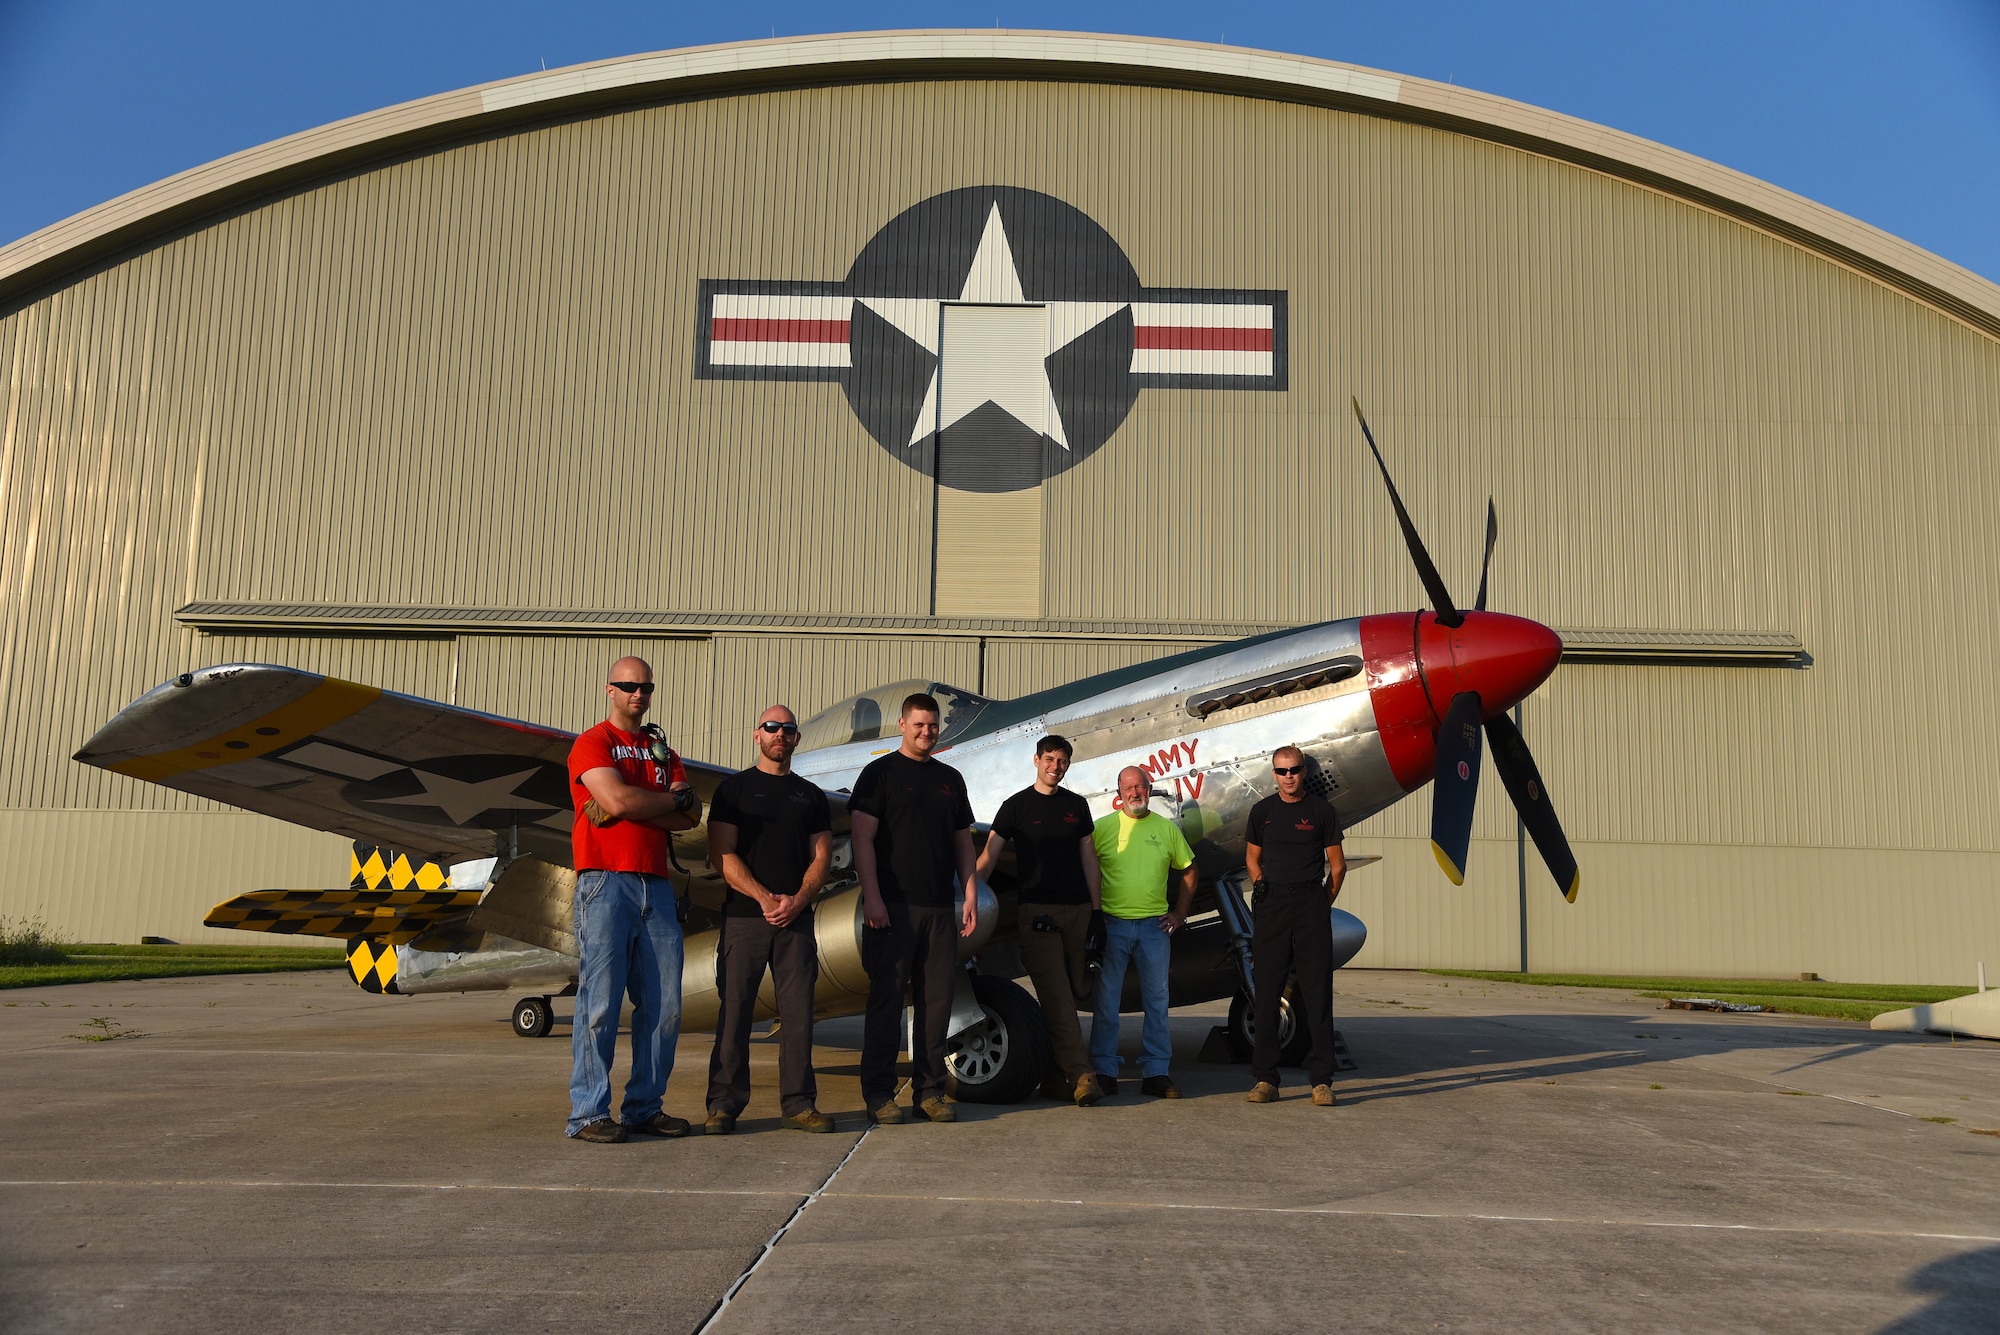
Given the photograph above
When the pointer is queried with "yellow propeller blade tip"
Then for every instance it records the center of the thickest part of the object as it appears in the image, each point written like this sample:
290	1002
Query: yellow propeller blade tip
1574	882
1451	869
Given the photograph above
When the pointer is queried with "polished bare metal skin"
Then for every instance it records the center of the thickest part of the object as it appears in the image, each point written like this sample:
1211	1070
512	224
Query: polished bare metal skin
1210	770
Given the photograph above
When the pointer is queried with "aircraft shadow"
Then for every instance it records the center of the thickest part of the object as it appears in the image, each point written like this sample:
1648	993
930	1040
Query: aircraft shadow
1964	1290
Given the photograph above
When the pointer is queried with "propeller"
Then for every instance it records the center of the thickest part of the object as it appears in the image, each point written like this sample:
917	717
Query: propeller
1486	563
1455	786
1427	571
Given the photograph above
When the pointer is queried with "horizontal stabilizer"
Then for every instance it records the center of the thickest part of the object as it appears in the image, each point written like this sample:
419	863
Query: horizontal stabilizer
343	913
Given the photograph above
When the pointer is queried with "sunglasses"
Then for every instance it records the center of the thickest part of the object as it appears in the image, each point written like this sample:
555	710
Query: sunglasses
1288	769
642	687
774	727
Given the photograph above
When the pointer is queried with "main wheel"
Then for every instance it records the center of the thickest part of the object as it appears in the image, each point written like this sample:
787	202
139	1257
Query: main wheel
1003	1057
533	1017
1293	1040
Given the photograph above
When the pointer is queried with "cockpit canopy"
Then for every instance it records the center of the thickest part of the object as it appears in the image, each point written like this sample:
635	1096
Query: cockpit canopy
872	714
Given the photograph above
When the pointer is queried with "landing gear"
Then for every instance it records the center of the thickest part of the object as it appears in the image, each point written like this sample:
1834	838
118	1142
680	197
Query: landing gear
1002	1058
533	1017
1293	1040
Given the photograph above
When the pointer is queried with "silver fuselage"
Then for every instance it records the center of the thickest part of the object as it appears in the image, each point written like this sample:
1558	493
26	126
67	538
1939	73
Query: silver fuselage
1210	765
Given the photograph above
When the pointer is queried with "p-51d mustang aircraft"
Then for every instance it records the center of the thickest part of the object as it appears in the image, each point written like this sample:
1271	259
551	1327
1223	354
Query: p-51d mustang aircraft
478	897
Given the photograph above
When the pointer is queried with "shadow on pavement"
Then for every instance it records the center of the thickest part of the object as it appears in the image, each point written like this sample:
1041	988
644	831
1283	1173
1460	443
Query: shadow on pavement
1965	1295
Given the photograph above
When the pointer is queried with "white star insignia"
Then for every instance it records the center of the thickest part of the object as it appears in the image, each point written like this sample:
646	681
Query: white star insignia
1015	381
463	802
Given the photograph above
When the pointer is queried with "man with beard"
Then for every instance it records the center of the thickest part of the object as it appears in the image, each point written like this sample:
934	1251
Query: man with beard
770	833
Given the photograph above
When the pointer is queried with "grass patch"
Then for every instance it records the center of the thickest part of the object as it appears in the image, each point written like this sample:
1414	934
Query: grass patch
114	963
1943	1121
1839	1001
28	941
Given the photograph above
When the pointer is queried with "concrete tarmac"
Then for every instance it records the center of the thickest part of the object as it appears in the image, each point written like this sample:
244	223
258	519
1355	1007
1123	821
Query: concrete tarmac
286	1151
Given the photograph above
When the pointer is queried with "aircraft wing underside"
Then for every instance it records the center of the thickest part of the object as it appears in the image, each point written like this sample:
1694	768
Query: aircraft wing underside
396	770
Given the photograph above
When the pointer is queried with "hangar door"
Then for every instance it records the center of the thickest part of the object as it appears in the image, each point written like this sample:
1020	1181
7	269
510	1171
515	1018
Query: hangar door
993	420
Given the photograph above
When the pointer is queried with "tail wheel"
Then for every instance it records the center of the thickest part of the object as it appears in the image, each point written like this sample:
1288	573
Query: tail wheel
1002	1058
1293	1040
533	1017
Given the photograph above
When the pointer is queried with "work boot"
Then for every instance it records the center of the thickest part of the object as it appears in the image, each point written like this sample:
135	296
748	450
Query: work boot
938	1110
660	1124
1160	1087
1107	1083
719	1124
1265	1092
603	1131
889	1114
812	1119
1088	1091
1323	1096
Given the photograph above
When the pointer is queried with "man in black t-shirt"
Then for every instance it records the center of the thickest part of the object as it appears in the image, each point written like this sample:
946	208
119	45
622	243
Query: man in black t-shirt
1056	882
770	834
1292	848
912	830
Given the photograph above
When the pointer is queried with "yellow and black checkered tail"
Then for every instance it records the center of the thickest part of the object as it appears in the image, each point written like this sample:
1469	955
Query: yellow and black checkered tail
371	962
389	899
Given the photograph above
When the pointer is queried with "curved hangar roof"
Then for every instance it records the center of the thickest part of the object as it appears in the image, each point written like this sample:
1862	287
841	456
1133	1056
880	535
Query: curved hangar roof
152	210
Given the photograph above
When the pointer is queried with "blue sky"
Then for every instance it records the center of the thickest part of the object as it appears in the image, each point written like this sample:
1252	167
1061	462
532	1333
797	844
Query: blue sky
1886	111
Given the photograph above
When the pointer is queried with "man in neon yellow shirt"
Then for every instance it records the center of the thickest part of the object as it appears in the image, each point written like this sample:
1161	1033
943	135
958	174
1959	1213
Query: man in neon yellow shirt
1137	850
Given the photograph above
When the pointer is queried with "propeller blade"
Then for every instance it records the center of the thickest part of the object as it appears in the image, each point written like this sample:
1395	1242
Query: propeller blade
1524	784
1492	536
1447	613
1456	791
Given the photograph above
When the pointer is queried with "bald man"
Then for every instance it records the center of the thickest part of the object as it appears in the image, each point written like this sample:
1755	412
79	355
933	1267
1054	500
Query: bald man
630	791
771	833
1138	852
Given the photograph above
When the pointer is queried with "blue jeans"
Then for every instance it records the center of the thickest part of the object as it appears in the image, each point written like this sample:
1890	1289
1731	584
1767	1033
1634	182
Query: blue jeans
1128	941
630	940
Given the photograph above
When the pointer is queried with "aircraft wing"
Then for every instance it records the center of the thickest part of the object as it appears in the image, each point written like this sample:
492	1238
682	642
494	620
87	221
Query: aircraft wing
395	770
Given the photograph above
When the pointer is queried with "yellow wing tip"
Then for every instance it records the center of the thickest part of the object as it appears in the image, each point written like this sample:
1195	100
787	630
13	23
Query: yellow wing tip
1575	881
1452	870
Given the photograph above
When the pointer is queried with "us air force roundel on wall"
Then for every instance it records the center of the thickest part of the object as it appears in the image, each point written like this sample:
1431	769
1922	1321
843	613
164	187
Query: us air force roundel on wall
1014	414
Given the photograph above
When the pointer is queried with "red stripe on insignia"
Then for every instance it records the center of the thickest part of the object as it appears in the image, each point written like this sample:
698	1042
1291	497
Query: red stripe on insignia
735	330
1185	338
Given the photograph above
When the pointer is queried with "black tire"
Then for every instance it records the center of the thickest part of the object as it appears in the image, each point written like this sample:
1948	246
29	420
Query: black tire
1004	1059
1293	1040
533	1017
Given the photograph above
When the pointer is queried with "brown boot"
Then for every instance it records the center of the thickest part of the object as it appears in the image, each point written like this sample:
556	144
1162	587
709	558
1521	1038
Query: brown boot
938	1110
1088	1091
812	1119
1160	1087
1265	1092
603	1131
1323	1096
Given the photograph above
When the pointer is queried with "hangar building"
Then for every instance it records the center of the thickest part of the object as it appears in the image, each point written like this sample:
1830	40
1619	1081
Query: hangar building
467	396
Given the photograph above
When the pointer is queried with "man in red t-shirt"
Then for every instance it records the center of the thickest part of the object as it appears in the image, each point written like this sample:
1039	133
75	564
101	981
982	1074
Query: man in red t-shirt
629	790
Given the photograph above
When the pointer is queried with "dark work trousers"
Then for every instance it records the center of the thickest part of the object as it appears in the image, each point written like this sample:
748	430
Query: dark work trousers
917	952
1054	961
749	946
1293	934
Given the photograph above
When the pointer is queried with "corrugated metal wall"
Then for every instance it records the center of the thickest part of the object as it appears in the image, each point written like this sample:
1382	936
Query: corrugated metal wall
466	378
